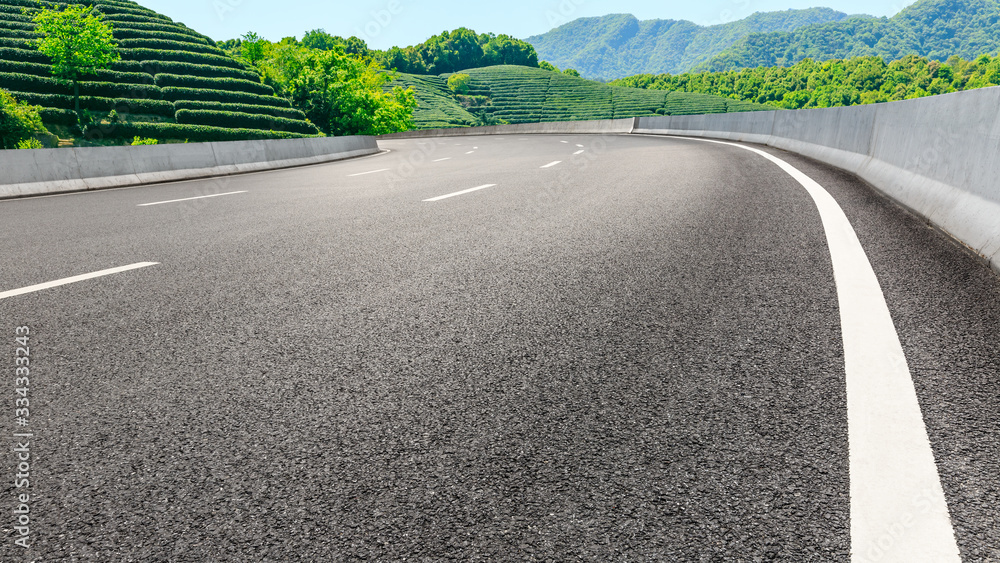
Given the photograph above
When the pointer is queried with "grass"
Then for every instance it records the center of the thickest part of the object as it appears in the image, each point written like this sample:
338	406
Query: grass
518	94
165	67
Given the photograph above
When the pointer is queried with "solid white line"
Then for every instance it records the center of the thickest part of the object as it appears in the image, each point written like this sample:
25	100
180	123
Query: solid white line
190	198
899	513
442	159
364	173
551	164
74	279
446	196
578	152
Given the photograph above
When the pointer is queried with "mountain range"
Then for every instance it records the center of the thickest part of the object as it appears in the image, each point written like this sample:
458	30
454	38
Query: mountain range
620	45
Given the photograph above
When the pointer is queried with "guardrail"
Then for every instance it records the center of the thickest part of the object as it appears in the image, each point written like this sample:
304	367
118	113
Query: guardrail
47	171
555	127
938	156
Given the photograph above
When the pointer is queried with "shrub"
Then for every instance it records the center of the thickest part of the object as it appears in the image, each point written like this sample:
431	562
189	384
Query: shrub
137	11
193	133
58	116
139	141
459	83
203	71
30	144
229	84
159	34
18	121
174	94
289	113
168	45
179	56
95	103
17	43
234	120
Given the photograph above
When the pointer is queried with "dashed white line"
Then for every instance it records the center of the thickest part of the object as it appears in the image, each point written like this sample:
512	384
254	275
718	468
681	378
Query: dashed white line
442	159
470	152
565	142
580	146
446	196
369	172
551	164
899	513
74	279
190	198
578	152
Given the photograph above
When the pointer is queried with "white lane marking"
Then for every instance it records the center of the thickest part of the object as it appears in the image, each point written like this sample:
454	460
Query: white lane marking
475	148
580	146
551	164
369	172
74	279
578	152
442	159
470	152
566	142
446	196
899	513
189	198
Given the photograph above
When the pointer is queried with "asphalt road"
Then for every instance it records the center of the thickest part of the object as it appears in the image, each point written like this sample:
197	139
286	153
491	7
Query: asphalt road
634	354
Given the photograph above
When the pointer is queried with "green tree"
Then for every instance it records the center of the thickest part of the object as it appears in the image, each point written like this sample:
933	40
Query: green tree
253	48
546	65
78	41
571	72
18	121
459	83
340	93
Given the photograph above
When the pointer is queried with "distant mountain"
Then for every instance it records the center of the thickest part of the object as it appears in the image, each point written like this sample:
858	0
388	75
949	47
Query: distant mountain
620	45
936	29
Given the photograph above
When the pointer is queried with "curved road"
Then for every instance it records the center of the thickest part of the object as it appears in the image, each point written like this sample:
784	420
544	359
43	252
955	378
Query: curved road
630	353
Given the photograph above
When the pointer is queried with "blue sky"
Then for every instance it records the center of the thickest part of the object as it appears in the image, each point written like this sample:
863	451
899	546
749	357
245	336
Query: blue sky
384	23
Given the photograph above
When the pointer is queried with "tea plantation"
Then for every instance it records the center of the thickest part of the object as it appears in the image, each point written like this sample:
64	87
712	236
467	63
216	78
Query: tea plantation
518	94
172	83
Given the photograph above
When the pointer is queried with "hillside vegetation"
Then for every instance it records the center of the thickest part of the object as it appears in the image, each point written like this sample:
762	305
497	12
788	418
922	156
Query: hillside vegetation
807	84
516	94
936	29
171	82
619	45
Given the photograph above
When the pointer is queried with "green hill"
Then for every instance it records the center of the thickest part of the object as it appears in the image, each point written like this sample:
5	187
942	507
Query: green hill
518	94
172	82
937	29
619	45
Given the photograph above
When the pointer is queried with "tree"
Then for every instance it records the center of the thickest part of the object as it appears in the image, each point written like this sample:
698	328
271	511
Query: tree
340	93
78	41
459	83
18	121
253	48
546	65
571	72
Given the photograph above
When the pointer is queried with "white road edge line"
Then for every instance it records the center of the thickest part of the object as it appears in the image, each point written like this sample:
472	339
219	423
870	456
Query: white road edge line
190	198
578	152
551	164
446	196
369	172
899	513
74	279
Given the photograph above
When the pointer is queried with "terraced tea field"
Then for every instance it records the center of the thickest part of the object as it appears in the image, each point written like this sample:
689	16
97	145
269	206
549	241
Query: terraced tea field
520	94
172	82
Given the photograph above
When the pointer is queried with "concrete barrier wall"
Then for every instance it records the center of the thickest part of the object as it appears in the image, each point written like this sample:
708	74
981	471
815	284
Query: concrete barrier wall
938	156
42	171
556	127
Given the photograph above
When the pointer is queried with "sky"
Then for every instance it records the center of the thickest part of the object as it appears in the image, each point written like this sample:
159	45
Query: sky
386	23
